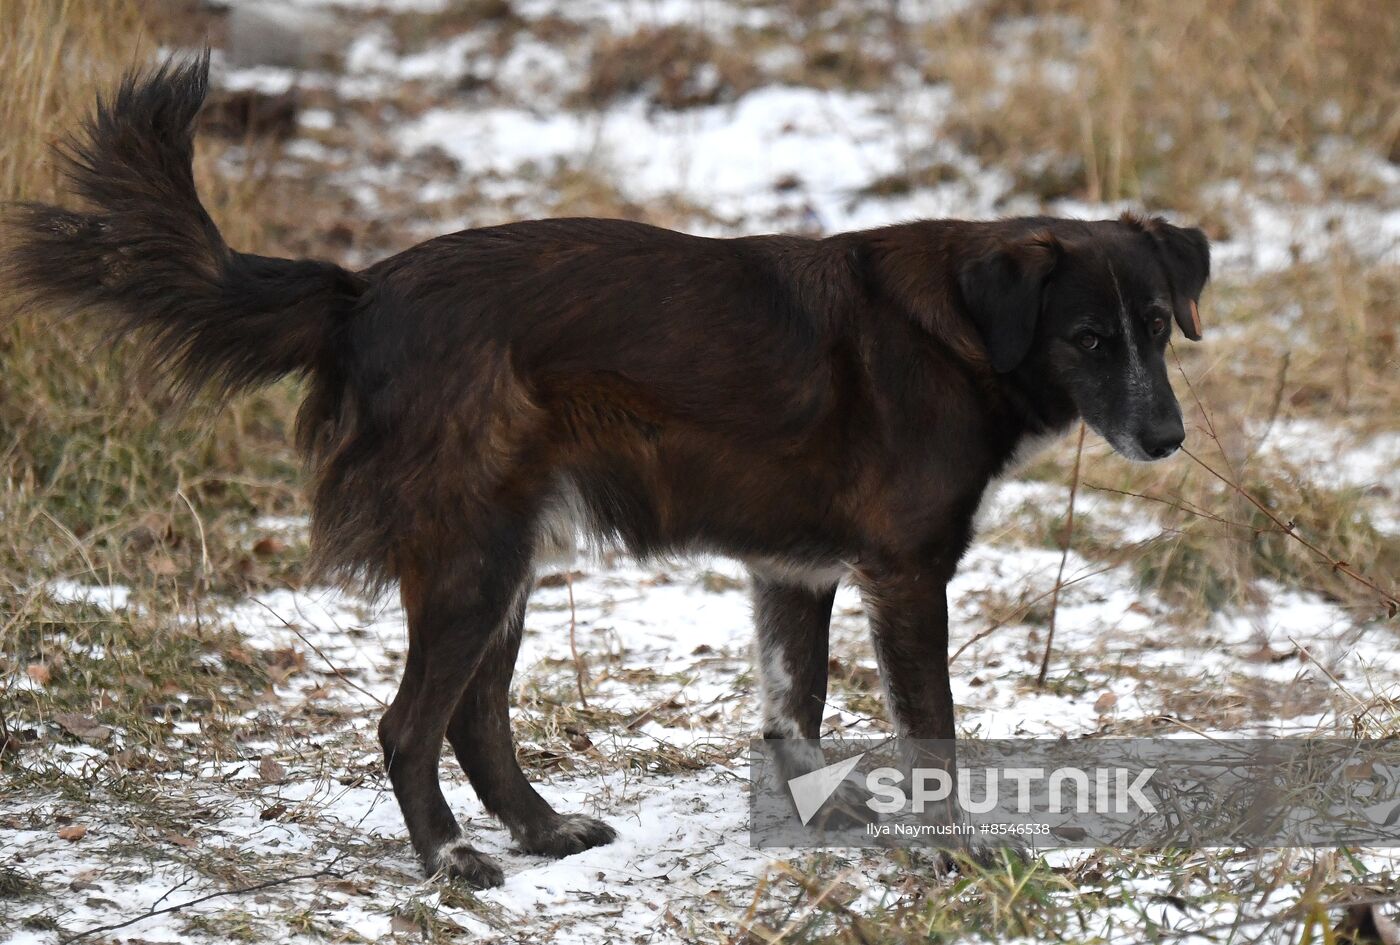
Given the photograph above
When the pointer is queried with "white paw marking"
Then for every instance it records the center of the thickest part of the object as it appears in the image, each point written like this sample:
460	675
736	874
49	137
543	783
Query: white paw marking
448	851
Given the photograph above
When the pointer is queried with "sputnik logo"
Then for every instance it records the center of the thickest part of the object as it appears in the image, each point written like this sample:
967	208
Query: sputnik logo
810	791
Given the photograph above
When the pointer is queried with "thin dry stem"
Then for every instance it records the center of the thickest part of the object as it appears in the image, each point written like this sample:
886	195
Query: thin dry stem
1064	557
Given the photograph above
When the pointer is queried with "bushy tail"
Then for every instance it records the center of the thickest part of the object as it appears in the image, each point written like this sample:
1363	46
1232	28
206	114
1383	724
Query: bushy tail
145	255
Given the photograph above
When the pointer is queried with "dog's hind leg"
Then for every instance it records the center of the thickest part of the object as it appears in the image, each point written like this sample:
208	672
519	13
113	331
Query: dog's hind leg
480	735
458	608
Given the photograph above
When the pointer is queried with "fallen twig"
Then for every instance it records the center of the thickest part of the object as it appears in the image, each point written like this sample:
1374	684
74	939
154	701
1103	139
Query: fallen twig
1024	608
327	870
1307	655
317	650
1064	556
1179	503
573	639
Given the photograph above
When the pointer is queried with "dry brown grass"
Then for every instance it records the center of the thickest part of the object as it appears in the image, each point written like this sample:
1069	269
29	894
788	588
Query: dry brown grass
100	478
672	66
417	28
56	55
97	478
1149	100
1313	345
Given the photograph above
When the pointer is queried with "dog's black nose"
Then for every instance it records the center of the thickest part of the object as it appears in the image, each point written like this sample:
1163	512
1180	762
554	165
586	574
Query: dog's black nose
1163	438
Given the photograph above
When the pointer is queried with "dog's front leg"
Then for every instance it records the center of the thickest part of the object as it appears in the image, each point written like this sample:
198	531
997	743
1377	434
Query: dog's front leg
908	614
793	621
909	621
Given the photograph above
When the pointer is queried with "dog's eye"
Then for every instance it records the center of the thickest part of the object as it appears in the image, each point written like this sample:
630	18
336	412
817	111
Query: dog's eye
1159	325
1088	340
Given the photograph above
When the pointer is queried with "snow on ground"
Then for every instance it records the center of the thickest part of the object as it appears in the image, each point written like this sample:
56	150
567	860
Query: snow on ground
1323	450
825	146
665	647
779	157
665	651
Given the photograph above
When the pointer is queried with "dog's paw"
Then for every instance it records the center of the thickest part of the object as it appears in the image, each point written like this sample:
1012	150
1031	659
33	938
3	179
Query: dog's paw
459	860
847	809
569	834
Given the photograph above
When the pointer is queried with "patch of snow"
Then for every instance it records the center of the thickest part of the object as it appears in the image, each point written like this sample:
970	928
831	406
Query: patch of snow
110	596
739	159
1335	454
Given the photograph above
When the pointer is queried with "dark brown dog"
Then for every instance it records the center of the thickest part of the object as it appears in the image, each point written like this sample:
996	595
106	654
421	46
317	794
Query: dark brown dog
815	408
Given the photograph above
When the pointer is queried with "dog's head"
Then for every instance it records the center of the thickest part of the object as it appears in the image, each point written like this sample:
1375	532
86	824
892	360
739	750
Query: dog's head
1083	311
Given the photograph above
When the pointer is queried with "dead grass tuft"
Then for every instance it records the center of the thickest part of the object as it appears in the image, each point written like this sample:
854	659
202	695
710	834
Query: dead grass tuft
1148	102
417	28
100	479
672	67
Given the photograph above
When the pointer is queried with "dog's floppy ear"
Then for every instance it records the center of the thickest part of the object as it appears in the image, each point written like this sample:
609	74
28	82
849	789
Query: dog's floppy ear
1003	290
1186	253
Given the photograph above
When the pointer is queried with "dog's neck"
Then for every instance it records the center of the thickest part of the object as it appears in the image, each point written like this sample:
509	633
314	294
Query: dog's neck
1042	409
1033	415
